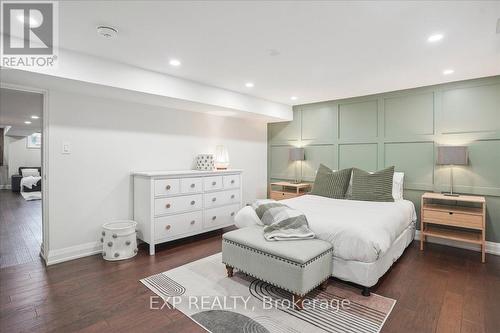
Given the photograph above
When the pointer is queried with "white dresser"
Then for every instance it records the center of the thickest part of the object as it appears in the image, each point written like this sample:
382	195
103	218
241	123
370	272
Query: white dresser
170	205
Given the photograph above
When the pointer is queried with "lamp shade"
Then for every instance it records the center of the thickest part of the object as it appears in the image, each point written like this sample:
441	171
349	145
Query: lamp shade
452	155
296	154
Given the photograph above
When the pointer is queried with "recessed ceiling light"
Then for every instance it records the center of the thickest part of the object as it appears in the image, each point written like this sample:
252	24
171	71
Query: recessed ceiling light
34	117
293	98
448	71
249	85
27	122
174	62
33	22
435	38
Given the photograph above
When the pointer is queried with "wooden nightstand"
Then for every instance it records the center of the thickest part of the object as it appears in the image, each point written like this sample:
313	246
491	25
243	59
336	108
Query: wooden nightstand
461	218
287	190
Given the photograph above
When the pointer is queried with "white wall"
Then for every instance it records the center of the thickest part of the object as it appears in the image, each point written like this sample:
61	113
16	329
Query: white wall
110	139
19	155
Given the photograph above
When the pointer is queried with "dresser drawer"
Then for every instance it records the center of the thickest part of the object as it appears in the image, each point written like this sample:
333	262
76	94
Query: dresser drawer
212	183
220	216
178	204
171	226
222	198
191	185
452	218
232	181
166	186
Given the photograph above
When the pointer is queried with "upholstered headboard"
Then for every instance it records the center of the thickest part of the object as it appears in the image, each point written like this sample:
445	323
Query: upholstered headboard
38	168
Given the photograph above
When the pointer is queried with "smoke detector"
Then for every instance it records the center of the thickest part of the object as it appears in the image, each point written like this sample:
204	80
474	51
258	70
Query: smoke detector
107	32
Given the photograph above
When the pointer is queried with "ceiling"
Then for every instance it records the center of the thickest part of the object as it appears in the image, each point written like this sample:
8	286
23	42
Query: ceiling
313	50
16	107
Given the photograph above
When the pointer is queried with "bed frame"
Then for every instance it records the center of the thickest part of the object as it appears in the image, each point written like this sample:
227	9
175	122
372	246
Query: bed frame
366	275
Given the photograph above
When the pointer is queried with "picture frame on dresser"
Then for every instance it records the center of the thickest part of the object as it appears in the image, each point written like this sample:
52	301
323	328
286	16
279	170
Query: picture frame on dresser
170	205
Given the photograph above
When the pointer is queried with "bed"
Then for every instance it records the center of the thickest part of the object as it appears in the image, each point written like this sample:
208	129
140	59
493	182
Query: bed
367	237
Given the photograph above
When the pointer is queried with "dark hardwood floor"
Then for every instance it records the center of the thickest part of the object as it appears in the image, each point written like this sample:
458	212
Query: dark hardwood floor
20	229
443	289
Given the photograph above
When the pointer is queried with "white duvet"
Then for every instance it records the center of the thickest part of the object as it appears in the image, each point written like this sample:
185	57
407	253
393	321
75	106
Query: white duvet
358	230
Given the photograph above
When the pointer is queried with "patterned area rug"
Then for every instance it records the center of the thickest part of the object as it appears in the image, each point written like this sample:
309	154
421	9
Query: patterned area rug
202	291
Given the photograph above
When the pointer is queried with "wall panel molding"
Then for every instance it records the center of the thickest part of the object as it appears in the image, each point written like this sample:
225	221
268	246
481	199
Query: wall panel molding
403	128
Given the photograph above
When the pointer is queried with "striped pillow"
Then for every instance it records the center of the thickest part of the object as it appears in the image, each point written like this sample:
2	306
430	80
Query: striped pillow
372	187
331	184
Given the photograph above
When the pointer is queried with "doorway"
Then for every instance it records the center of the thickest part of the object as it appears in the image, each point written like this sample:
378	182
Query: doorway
21	176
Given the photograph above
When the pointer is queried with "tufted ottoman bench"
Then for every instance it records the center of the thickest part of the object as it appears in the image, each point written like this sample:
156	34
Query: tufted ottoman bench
297	266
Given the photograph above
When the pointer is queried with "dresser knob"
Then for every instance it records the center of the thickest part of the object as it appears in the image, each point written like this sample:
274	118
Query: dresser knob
213	183
193	202
128	242
115	235
168	187
232	181
232	197
214	199
192	185
232	214
213	218
193	222
167	205
167	227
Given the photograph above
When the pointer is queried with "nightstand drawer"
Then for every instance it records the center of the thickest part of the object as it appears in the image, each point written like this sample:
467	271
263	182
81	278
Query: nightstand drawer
453	218
279	195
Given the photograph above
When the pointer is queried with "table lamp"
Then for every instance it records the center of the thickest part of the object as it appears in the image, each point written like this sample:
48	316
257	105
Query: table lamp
452	155
296	155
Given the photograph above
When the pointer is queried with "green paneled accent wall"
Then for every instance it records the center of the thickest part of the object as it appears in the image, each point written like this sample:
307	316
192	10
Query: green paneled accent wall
404	129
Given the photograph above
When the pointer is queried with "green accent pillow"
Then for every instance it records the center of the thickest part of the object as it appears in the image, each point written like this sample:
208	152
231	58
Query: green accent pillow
375	186
331	184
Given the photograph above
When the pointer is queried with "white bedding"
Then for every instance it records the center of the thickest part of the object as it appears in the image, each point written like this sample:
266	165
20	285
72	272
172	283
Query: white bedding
29	181
359	230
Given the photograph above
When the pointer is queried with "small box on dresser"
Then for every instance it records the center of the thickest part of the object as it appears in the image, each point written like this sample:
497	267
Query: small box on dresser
169	205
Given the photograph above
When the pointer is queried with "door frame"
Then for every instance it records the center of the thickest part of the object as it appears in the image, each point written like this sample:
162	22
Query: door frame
44	247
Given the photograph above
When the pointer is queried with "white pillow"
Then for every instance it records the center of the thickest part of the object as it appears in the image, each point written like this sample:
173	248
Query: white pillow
30	172
397	186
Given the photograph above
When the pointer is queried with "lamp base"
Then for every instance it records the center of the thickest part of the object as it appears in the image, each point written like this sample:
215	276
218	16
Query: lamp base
449	194
219	168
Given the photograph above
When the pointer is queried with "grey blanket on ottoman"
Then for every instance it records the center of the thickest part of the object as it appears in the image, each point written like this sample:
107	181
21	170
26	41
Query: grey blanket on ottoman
282	222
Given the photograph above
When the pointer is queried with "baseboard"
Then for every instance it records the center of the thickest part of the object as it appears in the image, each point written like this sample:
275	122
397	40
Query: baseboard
5	187
73	252
491	247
